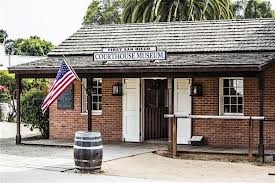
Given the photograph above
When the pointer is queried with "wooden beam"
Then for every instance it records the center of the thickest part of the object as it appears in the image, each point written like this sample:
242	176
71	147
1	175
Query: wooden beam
214	117
261	123
250	143
138	74
89	101
174	137
156	70
170	111
18	110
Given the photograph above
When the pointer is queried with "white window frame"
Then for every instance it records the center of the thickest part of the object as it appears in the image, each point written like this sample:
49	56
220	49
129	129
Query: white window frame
84	98
221	97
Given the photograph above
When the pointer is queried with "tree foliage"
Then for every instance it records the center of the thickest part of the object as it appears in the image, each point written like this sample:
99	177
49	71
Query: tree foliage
7	81
7	89
253	9
31	113
3	35
133	11
104	12
175	10
33	46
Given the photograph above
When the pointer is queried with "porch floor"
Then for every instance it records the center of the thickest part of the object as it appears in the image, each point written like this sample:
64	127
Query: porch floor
161	144
221	149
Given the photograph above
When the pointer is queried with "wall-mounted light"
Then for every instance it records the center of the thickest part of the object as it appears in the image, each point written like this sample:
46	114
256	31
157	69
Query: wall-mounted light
117	89
196	90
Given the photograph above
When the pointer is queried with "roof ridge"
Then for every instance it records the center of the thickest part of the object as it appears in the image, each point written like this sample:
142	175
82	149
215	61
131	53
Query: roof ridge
186	22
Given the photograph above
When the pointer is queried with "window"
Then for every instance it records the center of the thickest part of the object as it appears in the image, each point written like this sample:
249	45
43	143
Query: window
96	96
231	96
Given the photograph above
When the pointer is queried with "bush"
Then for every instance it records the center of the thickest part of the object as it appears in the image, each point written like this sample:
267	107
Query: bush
31	113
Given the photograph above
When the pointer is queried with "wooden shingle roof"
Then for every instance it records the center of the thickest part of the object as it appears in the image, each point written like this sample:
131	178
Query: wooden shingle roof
175	37
203	62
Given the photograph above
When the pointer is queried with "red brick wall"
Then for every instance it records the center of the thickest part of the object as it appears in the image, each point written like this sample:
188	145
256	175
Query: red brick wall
269	105
64	123
234	132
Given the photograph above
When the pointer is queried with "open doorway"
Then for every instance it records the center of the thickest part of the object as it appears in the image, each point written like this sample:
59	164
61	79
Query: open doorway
155	106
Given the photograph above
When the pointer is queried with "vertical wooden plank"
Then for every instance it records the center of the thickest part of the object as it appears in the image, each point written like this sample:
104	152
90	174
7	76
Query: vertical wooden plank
261	84
174	134
170	111
153	122
158	122
150	123
89	100
146	124
18	110
250	145
161	123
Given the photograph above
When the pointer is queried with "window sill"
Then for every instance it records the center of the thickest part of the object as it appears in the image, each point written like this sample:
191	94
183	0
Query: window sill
97	113
232	114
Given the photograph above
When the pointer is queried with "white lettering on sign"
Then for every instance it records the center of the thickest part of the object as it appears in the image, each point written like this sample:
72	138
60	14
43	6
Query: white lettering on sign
129	49
145	55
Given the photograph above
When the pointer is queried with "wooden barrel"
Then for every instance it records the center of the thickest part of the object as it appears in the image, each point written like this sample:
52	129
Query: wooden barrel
88	150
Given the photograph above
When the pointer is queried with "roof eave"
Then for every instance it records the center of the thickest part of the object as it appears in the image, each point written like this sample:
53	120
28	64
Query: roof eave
158	69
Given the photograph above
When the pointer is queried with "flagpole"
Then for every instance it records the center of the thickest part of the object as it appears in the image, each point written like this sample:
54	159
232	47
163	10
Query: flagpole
77	78
65	60
88	92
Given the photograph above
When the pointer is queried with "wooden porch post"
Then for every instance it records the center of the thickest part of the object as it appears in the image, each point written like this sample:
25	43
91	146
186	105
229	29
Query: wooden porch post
261	122
18	110
170	111
89	101
174	136
250	145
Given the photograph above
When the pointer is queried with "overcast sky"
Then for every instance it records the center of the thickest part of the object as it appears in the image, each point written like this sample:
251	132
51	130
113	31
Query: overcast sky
53	20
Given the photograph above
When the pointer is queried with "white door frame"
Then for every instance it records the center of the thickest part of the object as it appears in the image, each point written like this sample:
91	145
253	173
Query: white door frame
124	125
188	112
142	108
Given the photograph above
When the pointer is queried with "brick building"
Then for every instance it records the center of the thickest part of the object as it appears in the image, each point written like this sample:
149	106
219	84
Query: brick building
217	68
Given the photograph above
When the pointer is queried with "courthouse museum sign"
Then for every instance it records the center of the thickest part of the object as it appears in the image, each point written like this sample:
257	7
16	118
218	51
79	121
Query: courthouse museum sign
130	53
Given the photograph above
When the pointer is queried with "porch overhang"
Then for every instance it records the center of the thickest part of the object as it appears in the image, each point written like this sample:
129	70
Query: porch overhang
174	65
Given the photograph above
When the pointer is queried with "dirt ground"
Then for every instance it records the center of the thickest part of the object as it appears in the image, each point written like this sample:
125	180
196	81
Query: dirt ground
238	158
154	166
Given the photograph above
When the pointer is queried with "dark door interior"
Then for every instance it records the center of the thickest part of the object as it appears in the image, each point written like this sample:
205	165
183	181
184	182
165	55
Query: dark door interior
155	107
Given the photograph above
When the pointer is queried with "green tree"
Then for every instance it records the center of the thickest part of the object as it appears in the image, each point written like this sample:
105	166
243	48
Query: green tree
239	8
7	85
10	47
33	46
3	35
253	9
104	12
40	84
175	10
8	81
31	113
7	88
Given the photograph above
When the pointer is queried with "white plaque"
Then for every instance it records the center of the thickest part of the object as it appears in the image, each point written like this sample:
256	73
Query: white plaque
129	49
119	56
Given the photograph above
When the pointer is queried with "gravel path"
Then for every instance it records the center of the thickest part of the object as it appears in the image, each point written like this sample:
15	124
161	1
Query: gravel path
8	130
152	166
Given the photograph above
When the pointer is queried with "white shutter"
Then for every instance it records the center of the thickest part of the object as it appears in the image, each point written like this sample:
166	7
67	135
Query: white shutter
131	109
182	105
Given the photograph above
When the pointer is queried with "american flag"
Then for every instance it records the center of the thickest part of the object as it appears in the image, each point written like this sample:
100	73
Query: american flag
65	76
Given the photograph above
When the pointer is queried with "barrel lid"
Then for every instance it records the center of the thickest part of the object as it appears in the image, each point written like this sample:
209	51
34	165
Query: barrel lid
87	134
